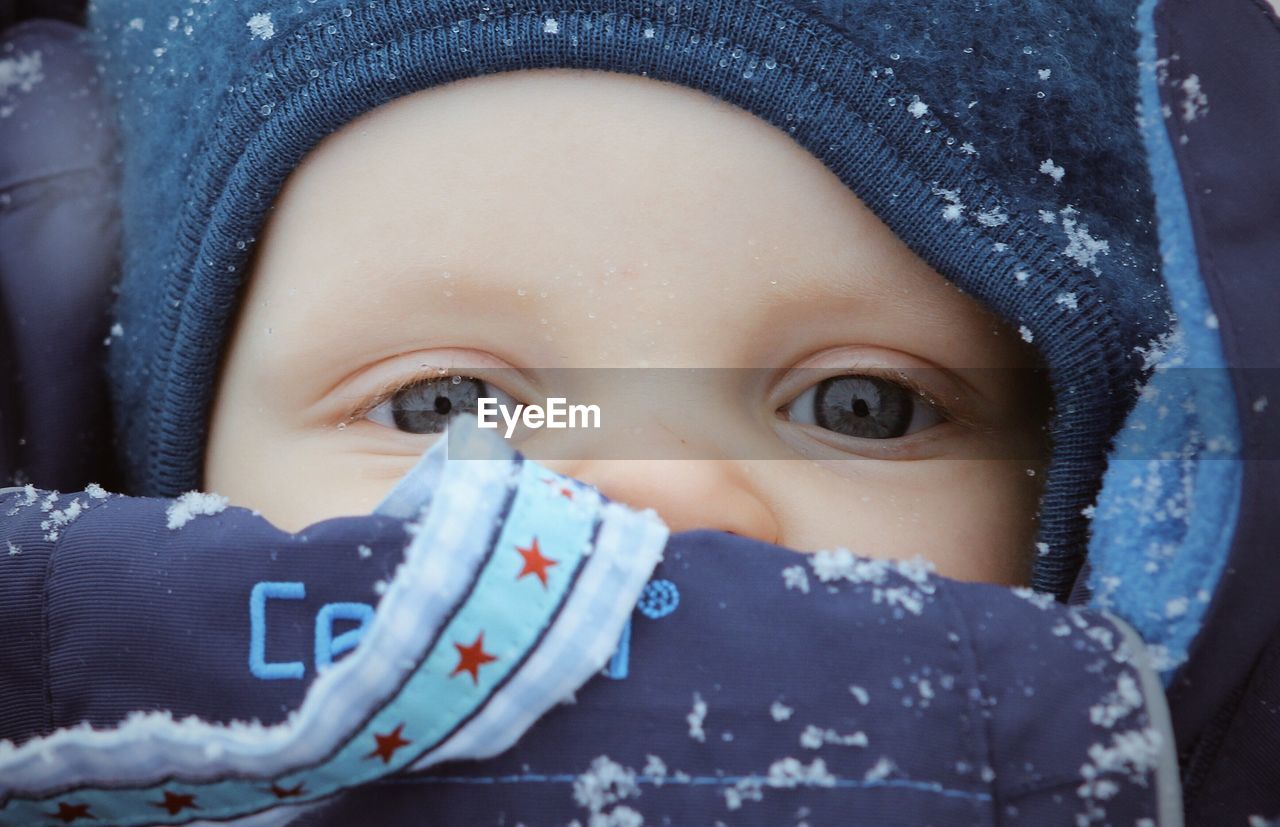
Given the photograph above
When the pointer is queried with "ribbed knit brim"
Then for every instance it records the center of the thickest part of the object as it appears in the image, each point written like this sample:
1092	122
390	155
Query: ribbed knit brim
998	140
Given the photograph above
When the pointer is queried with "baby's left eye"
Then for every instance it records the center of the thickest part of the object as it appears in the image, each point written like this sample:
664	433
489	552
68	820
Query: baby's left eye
865	407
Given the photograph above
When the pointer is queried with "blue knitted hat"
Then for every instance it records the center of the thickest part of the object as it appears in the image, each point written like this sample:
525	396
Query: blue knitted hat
997	139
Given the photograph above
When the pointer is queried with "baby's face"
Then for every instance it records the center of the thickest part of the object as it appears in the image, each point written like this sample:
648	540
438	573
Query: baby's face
506	227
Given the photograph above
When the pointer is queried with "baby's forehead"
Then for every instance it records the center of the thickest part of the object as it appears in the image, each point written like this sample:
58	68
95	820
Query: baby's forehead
582	206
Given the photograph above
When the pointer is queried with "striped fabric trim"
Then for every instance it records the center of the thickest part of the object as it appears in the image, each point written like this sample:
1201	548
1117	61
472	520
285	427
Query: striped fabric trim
512	594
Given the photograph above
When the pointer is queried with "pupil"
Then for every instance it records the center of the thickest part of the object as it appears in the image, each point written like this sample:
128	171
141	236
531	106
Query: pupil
443	405
863	406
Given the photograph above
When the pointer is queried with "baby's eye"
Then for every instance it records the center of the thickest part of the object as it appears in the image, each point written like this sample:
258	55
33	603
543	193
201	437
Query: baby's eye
865	407
425	407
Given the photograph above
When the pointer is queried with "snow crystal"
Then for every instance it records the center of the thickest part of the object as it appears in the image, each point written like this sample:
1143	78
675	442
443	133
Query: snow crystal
551	26
1044	73
364	551
1260	404
1176	607
1041	600
606	782
747	789
1134	753
696	717
22	72
1102	635
993	217
953	210
137	24
795	578
1211	321
60	519
194	504
790	772
1047	167
1067	300
1081	247
859	693
901	597
814	737
1025	333
604	785
95	491
780	711
1195	104
1125	699
968	149
918	108
881	770
1042	549
29	497
261	27
1048	216
841	564
655	769
14	551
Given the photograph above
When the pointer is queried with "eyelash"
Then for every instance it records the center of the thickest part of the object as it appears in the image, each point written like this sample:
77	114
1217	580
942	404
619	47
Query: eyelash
395	386
896	377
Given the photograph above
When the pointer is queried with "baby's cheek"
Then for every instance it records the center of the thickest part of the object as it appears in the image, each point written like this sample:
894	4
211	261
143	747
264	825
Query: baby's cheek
297	480
973	519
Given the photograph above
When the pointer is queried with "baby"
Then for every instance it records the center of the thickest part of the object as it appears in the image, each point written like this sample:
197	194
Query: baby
499	229
346	224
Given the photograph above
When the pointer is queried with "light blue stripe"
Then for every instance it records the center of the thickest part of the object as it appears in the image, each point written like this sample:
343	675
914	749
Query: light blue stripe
627	548
1152	572
700	781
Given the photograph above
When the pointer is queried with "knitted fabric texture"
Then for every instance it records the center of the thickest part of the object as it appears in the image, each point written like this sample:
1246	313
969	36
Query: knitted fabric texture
997	140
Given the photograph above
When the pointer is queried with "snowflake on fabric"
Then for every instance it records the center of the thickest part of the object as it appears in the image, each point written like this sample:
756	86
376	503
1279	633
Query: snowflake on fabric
261	27
194	504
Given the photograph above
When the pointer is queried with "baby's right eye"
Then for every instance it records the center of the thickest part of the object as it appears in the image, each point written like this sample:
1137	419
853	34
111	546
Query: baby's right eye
425	406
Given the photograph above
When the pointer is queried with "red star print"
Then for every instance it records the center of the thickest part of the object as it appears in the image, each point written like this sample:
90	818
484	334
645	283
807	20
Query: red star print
388	744
287	792
68	813
534	562
175	803
565	491
471	658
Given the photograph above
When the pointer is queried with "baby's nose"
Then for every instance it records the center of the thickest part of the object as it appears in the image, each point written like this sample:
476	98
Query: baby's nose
686	494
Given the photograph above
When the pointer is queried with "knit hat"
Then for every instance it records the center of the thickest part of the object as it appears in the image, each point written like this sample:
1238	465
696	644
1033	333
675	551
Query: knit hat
997	140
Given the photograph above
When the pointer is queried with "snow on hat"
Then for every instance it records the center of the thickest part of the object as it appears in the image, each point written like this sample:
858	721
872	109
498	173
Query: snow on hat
998	140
